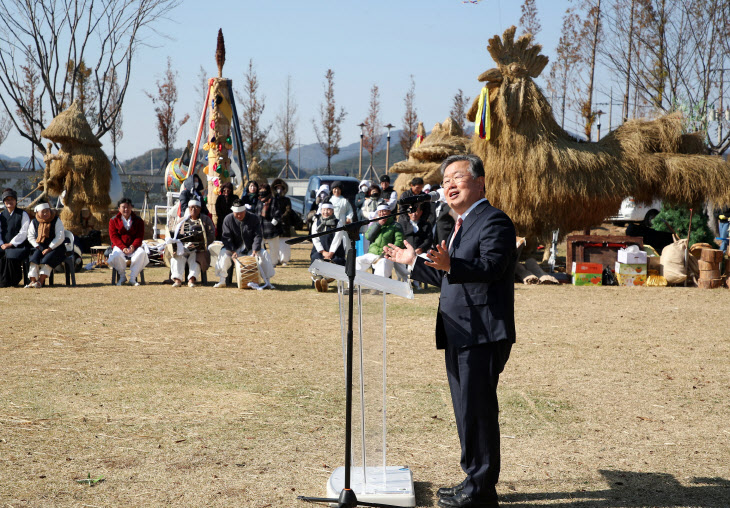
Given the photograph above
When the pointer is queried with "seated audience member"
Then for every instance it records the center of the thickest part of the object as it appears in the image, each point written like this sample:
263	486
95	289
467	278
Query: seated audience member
251	196
188	192
193	234
241	236
14	246
389	195
360	197
223	204
327	247
343	208
369	208
380	234
416	229
126	232
46	234
416	189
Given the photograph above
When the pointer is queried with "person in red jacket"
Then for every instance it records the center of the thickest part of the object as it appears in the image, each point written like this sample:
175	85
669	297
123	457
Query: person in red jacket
126	232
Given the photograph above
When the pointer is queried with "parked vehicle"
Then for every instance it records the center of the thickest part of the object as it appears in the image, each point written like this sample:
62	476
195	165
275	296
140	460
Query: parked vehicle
349	190
632	211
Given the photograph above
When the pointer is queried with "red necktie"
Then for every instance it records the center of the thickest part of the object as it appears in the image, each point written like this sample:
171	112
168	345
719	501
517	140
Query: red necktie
456	230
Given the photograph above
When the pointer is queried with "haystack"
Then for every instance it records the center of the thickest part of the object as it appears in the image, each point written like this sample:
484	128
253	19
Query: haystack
424	160
80	168
254	172
545	179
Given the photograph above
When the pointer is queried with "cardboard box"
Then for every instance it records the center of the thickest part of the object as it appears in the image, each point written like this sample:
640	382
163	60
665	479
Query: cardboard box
630	280
630	269
581	267
587	279
631	255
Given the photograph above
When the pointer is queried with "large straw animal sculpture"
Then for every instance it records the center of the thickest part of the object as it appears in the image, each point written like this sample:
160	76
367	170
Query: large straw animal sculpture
546	180
424	160
80	168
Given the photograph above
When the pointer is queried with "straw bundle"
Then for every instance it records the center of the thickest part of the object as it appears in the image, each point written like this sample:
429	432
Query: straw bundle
544	179
254	172
80	168
424	160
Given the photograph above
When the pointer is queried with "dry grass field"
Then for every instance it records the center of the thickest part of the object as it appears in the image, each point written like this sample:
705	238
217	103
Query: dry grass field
613	397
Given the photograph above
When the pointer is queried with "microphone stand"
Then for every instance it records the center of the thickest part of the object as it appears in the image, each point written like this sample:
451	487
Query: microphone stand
347	498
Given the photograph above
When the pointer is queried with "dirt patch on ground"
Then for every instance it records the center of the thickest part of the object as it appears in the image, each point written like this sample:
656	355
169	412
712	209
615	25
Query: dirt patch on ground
210	397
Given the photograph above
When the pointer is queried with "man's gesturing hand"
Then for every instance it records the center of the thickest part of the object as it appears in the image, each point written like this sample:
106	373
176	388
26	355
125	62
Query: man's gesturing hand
404	256
439	258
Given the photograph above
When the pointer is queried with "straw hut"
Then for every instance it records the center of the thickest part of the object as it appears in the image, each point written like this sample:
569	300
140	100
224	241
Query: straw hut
80	168
545	179
424	160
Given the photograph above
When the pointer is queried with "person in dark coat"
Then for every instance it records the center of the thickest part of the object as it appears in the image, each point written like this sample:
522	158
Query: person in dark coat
417	230
327	247
415	190
241	236
269	210
223	204
188	192
444	222
251	196
289	220
475	322
14	246
46	235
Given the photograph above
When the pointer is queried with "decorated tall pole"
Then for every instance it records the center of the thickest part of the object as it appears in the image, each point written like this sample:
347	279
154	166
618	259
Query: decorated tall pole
219	142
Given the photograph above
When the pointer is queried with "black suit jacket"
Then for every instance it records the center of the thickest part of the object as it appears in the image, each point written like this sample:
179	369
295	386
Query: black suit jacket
476	305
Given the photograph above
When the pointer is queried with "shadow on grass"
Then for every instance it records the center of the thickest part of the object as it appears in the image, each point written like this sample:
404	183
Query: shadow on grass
632	489
424	493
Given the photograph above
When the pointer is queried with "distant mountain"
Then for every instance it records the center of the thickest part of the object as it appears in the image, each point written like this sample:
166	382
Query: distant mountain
18	163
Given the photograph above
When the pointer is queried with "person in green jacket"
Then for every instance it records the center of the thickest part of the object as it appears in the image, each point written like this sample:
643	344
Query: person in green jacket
380	234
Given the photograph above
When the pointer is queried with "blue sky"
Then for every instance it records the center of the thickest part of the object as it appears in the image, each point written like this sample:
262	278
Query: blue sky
442	43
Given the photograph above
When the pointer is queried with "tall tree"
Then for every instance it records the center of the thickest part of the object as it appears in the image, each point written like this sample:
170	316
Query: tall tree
373	126
5	126
410	120
591	34
115	132
563	69
78	78
254	134
52	32
530	20
165	101
329	132
30	103
459	106
286	122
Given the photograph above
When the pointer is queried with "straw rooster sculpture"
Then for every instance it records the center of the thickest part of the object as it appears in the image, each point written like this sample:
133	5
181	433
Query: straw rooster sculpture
545	179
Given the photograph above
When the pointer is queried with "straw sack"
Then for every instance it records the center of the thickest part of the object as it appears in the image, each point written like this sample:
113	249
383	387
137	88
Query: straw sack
544	179
672	262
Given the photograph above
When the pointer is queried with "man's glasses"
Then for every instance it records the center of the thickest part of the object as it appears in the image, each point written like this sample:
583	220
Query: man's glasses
456	179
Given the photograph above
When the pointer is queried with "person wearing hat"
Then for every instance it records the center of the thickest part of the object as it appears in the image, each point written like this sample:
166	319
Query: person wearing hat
327	247
14	246
126	232
389	195
361	196
46	235
289	219
189	192
380	234
196	258
343	208
241	236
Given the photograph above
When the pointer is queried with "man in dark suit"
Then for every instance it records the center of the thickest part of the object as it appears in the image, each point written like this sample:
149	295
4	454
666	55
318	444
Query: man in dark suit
475	321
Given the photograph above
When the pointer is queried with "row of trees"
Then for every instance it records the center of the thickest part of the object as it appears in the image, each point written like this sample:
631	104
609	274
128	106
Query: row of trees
659	56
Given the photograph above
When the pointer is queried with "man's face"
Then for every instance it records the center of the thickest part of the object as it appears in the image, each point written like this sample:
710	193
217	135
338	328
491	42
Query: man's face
194	212
10	203
384	184
414	216
328	212
337	192
126	210
239	215
383	213
416	189
461	188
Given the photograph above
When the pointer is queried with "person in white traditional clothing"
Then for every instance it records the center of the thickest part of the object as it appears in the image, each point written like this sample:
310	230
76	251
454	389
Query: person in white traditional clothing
327	247
46	235
343	208
126	232
241	236
193	234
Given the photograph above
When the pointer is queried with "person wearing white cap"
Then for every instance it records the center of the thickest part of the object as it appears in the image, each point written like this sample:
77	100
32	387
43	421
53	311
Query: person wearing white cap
360	197
46	234
327	247
380	234
241	236
185	251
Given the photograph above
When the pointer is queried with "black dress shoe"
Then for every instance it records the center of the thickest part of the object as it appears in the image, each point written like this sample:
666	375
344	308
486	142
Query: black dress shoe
463	500
451	491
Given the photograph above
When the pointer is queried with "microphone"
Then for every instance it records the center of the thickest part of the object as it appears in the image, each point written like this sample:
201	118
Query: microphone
420	198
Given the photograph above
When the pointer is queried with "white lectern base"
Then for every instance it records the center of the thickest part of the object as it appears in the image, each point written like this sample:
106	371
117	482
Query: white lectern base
395	487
